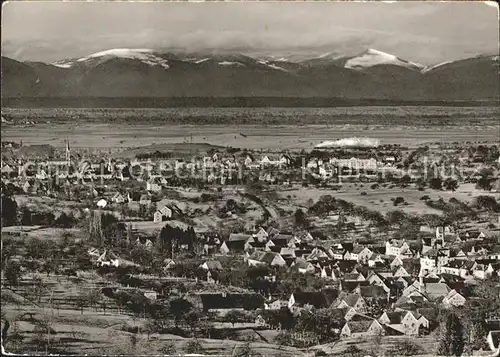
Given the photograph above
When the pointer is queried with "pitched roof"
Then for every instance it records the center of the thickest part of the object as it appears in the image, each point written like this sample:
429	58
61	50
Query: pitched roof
396	317
287	251
351	277
372	291
495	338
346	266
228	301
264	257
359	326
213	265
351	285
301	263
271	231
318	299
397	243
236	245
435	290
238	237
358	249
349	298
348	246
394	330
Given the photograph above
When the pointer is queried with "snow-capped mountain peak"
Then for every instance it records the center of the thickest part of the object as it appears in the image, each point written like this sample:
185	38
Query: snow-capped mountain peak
136	53
372	57
430	68
146	56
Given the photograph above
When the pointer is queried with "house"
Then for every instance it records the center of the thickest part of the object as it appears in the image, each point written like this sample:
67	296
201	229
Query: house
276	305
153	186
118	198
402	321
432	291
328	272
213	265
102	203
7	169
422	320
350	300
396	247
234	237
260	321
236	243
482	271
316	299
248	160
282	240
288	252
268	160
373	293
363	328
166	211
272	232
261	235
353	277
413	299
378	280
461	268
168	264
108	259
375	259
401	272
474	235
361	254
348	313
150	294
303	266
433	259
494	340
26	187
453	299
266	258
396	262
157	217
212	269
317	255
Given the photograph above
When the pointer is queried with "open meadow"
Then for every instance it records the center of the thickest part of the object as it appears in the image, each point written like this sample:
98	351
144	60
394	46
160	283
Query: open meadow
380	199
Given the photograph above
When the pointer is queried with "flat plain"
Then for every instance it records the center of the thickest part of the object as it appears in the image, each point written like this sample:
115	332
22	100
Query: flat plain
250	128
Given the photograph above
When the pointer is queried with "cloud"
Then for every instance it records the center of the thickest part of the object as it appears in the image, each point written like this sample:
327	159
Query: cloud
425	32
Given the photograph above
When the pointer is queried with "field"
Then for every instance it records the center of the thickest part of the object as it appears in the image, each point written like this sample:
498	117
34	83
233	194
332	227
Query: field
251	128
96	331
380	199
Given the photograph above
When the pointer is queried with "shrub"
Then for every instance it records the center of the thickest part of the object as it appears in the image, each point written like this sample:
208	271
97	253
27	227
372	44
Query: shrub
405	348
398	200
363	193
436	183
194	347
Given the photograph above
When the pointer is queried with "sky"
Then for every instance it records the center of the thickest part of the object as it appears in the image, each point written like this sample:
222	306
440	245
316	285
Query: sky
424	32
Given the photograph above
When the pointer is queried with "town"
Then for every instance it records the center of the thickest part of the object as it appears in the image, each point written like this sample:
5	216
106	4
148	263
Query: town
352	248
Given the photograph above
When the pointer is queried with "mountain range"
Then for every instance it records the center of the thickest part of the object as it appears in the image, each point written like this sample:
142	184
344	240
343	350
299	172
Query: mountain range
372	74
